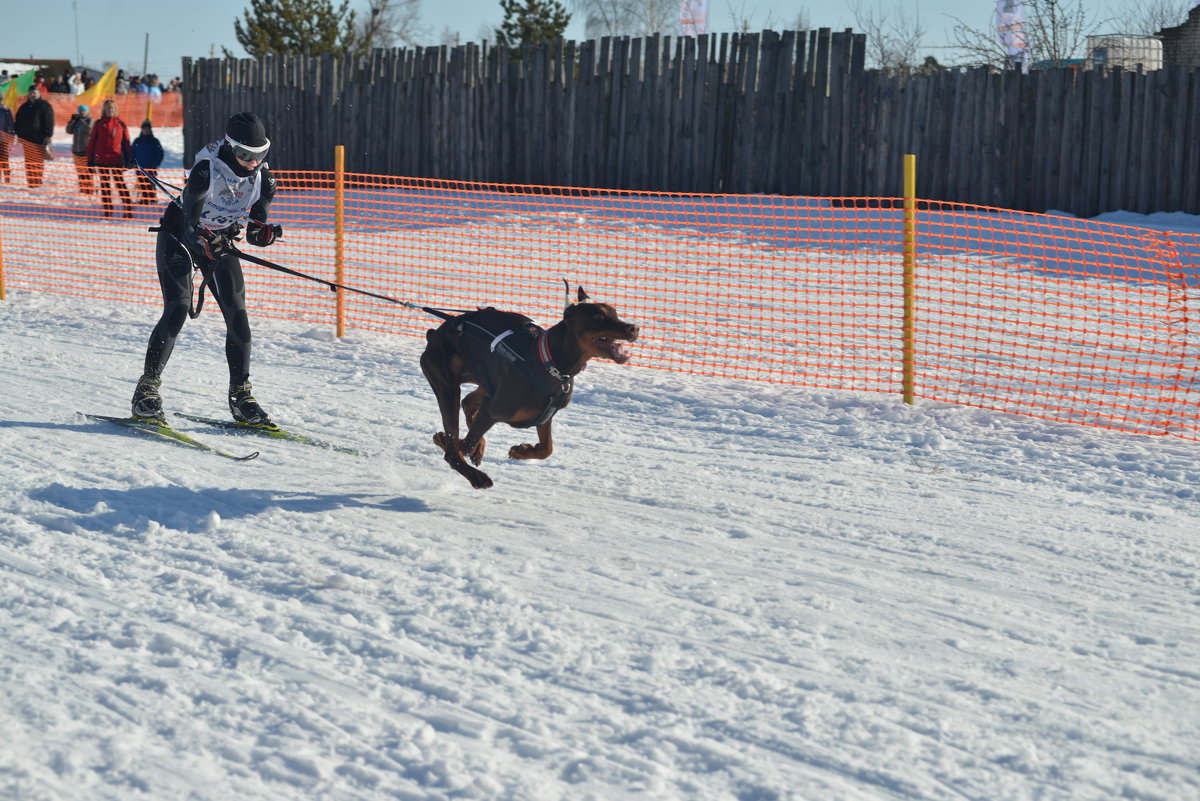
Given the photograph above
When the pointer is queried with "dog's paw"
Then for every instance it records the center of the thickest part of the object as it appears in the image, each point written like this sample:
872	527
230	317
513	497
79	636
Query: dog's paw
442	440
528	451
478	478
476	454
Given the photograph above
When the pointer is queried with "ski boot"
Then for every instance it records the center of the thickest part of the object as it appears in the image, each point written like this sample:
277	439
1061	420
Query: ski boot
245	408
147	403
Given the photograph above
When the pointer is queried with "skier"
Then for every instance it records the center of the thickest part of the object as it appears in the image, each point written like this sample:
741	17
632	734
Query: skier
228	183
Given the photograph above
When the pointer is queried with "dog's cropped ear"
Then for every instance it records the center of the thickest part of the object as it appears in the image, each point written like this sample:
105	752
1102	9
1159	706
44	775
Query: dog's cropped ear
581	296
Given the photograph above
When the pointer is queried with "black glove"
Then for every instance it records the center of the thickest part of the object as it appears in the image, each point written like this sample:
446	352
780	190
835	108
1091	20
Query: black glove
260	234
211	244
130	164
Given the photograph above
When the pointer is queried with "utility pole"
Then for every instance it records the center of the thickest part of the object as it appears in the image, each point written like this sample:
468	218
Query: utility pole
146	56
78	55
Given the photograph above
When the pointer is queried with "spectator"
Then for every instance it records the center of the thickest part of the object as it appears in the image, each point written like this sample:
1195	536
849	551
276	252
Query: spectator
109	151
35	128
62	85
7	131
80	126
148	153
77	84
4	76
122	83
176	84
154	90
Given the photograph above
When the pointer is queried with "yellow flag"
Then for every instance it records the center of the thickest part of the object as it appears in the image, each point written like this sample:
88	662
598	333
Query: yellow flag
101	89
10	97
18	87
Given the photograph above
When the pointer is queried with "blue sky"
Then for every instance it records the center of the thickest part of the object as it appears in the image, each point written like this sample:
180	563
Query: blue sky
116	30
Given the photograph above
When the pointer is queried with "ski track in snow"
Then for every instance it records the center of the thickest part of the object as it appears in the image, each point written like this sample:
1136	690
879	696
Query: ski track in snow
712	590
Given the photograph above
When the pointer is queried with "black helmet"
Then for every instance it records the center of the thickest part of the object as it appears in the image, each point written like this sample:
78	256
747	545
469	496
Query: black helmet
247	136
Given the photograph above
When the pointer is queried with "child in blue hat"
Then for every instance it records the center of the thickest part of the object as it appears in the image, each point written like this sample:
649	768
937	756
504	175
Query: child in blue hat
148	153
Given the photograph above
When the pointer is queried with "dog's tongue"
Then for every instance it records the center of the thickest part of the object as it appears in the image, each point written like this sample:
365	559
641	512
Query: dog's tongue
618	351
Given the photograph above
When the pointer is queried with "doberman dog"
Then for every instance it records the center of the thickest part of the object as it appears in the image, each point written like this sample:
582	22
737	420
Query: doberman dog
524	374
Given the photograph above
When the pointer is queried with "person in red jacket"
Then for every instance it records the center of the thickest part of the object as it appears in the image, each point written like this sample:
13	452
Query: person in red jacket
110	154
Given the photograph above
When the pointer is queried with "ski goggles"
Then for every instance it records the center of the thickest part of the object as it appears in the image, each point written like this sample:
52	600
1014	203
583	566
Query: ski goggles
247	153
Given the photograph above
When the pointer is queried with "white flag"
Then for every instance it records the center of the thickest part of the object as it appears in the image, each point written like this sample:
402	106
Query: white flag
1010	26
693	17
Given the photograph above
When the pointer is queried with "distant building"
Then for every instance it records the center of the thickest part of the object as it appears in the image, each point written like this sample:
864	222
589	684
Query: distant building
1126	52
1181	44
50	67
1058	64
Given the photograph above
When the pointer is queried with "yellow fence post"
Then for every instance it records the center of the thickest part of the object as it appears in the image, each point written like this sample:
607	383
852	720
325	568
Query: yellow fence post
339	209
149	106
910	274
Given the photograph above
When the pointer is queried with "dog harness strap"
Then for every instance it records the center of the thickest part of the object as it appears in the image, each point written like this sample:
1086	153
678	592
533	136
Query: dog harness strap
533	344
500	338
558	398
544	354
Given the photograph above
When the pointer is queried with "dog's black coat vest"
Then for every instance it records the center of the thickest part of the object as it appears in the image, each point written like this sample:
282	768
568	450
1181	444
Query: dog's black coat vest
496	343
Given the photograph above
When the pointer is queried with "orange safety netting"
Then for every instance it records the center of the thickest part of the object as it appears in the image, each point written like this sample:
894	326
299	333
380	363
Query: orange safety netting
1054	317
132	108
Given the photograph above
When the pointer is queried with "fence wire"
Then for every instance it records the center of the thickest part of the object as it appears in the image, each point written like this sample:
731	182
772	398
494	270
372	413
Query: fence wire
1051	317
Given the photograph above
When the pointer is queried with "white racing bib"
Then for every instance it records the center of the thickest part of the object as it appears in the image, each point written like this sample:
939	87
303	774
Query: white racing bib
229	196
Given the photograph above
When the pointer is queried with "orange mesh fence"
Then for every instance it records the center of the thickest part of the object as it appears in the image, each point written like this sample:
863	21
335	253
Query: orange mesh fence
1053	317
133	108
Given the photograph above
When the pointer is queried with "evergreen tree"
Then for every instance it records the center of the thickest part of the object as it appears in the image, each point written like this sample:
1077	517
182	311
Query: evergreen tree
296	27
529	21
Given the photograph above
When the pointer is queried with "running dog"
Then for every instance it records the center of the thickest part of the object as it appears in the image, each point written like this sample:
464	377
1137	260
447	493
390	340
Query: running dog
523	374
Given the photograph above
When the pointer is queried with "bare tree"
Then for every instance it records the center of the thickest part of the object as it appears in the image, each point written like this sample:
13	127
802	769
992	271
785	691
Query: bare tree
601	17
741	17
658	16
1151	16
647	17
628	17
893	39
1055	32
388	22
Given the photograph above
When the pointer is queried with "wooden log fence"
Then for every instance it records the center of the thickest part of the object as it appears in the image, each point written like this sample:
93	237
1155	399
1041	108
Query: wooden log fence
791	113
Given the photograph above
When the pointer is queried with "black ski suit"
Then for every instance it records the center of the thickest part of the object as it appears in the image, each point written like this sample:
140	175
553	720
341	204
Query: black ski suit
177	250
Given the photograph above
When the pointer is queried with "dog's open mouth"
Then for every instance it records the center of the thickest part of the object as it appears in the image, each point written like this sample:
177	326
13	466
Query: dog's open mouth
614	348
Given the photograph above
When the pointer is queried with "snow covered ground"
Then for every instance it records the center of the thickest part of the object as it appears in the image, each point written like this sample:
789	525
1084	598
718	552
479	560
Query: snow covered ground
712	590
